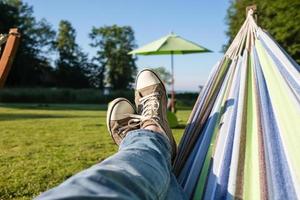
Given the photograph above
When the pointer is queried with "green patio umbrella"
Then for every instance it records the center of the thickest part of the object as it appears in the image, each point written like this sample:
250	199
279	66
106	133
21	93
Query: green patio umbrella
170	45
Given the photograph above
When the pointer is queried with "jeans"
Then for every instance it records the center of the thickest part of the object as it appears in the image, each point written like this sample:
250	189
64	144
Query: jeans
141	169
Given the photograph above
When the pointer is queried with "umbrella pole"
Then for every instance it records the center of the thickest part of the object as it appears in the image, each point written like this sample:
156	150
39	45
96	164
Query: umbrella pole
172	91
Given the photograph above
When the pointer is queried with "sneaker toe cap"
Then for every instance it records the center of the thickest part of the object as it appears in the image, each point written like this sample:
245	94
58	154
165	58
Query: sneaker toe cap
121	110
146	78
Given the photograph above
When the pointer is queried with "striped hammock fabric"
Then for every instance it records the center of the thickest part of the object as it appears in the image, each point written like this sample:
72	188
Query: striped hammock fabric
243	136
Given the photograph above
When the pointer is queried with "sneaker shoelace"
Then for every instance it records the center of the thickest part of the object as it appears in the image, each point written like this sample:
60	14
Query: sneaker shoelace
150	105
131	124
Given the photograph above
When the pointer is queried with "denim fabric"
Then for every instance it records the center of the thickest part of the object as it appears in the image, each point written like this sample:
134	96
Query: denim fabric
141	169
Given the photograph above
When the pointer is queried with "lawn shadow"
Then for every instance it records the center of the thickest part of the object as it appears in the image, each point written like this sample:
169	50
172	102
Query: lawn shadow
93	125
180	126
88	107
22	116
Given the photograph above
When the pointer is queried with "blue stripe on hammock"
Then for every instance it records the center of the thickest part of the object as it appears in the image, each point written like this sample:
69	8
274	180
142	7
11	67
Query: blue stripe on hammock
279	180
286	75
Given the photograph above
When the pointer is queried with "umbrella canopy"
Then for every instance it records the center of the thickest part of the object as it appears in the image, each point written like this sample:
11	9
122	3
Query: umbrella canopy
170	44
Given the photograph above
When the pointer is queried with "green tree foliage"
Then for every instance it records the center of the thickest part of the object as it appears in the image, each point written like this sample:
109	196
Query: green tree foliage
114	43
279	17
72	64
31	66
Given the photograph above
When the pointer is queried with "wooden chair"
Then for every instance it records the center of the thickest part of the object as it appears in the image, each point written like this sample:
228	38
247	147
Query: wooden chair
8	54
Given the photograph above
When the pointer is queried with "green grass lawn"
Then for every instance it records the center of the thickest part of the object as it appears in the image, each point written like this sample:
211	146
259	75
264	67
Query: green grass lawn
43	145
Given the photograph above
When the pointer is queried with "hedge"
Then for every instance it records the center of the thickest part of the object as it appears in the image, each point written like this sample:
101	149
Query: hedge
76	96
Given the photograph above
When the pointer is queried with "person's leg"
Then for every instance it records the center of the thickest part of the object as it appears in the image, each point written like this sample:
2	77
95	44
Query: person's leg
141	169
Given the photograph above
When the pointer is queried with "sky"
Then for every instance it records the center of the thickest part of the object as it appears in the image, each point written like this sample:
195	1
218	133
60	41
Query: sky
201	21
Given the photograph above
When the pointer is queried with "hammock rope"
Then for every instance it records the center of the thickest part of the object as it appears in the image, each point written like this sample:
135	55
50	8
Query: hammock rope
243	136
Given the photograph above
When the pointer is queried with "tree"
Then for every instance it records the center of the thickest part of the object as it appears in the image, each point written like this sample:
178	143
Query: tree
31	67
114	43
96	74
72	64
279	17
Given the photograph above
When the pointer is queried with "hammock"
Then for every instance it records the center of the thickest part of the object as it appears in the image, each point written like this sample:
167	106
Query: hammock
243	136
12	42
